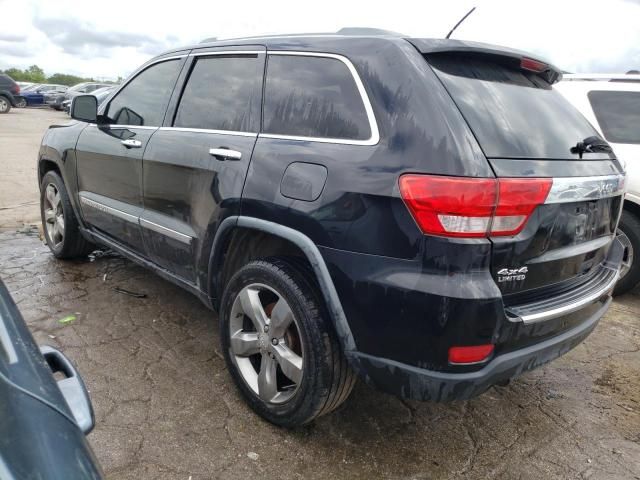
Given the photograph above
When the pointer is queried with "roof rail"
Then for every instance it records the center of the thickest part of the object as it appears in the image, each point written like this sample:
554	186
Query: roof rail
603	77
368	31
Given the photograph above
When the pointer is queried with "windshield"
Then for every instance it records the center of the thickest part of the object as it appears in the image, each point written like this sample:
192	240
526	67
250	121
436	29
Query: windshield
618	114
512	112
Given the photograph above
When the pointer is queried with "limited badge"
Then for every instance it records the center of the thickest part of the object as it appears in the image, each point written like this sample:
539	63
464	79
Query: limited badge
512	274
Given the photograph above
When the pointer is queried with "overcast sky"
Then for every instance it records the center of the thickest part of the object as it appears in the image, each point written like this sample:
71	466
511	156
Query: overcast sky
107	39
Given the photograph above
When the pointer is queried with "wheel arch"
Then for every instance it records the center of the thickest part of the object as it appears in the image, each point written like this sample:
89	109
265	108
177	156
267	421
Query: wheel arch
45	165
632	207
304	246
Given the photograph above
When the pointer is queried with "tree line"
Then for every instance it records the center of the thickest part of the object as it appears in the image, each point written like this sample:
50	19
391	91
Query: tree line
35	74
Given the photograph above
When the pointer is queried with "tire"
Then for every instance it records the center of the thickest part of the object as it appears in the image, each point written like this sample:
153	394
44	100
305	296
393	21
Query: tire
5	105
56	212
309	342
21	102
629	235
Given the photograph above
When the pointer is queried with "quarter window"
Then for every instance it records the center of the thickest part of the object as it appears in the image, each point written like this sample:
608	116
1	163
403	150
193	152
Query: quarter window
219	93
144	99
618	114
313	97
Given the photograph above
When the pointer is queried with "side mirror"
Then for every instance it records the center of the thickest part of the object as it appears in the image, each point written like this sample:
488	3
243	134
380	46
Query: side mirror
84	108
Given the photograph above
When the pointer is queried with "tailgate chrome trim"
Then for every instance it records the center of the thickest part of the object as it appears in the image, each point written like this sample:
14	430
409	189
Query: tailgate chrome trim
604	286
577	189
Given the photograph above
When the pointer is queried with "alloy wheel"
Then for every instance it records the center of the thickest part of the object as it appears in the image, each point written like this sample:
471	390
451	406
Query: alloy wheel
4	104
53	215
627	259
265	343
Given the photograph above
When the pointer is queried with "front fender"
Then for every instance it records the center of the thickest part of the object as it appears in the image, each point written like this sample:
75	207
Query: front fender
58	148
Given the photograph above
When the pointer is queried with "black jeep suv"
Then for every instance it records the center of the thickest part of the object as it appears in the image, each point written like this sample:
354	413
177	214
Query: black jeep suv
428	214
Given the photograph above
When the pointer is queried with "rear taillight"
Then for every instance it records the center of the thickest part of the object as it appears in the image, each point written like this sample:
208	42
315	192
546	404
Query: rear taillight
472	207
16	89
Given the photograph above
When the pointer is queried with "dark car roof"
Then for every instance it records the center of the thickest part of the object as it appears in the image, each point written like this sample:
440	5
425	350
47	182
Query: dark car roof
6	79
319	41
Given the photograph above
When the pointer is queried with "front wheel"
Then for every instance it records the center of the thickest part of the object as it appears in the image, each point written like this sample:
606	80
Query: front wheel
59	223
629	235
279	345
21	102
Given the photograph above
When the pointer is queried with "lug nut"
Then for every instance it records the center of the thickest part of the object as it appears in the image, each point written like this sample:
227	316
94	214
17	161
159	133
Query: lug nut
274	341
266	328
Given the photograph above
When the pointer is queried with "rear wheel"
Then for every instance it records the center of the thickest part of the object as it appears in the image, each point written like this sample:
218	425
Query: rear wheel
5	105
279	344
629	235
21	102
60	225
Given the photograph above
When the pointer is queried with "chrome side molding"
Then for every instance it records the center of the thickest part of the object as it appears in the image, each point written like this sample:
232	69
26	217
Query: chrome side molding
148	224
169	232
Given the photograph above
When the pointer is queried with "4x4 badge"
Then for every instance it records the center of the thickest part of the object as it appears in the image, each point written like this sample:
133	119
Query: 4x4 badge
512	274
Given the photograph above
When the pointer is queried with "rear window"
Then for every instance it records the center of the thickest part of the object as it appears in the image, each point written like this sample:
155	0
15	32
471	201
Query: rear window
219	93
313	97
618	114
513	113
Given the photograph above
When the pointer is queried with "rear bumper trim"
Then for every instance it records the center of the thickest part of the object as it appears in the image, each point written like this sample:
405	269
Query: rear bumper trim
603	287
597	287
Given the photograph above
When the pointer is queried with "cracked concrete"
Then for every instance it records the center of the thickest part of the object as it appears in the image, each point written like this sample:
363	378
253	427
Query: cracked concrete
167	409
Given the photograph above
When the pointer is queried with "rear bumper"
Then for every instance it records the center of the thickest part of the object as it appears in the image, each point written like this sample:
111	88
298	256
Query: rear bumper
416	383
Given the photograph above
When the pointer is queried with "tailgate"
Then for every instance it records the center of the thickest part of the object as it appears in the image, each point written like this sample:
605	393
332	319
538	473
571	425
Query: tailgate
528	130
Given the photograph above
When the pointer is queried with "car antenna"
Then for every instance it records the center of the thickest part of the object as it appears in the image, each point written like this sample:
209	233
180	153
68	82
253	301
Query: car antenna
461	20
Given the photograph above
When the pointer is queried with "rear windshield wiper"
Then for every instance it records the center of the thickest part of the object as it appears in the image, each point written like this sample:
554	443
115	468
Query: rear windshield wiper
591	145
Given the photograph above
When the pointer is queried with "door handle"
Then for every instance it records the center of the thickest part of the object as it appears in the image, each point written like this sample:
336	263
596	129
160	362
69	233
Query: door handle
225	154
131	143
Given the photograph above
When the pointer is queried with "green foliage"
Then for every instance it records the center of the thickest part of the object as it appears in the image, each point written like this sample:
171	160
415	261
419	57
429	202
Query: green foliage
66	79
36	75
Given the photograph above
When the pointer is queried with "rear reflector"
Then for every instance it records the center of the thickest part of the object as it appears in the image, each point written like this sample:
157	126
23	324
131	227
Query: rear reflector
472	207
471	354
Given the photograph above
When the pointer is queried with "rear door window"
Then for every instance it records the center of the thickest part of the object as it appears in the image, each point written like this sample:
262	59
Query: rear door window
220	92
308	96
512	112
618	114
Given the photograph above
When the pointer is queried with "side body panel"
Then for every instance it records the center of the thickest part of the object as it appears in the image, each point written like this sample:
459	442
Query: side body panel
110	180
187	190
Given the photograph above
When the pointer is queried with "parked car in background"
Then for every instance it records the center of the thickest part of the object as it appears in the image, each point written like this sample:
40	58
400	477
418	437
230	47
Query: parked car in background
612	104
9	90
101	95
23	85
44	421
428	214
55	101
36	95
31	87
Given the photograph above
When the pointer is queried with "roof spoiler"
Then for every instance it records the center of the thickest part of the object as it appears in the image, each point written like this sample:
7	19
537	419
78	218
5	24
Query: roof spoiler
525	61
